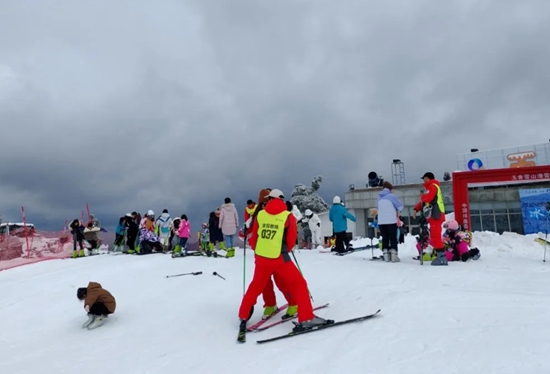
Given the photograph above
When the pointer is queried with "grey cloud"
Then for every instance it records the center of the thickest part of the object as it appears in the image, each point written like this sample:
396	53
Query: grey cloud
179	104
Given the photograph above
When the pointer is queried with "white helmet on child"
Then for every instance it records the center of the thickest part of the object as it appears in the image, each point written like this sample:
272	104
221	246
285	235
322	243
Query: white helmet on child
150	213
336	200
308	212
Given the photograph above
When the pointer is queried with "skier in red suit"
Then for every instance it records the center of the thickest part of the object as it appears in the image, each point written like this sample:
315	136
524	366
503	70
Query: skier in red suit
274	233
432	201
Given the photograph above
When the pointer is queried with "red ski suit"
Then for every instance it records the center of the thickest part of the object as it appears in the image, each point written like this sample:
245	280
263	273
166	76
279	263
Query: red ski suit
428	197
281	267
268	295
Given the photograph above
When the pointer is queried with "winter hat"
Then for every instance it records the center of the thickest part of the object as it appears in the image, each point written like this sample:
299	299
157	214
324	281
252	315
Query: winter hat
308	212
276	194
387	185
227	200
428	175
262	196
336	200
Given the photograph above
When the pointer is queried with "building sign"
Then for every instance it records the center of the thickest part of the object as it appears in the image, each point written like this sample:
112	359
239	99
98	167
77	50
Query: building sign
533	209
462	180
515	157
530	177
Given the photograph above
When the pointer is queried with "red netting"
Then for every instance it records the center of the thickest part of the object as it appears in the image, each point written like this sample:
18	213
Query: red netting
20	248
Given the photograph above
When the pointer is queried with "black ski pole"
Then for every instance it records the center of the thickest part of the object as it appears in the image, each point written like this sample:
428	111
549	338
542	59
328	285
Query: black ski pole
182	274
216	274
298	265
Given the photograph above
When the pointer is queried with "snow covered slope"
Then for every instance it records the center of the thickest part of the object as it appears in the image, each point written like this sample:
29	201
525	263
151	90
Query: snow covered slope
489	316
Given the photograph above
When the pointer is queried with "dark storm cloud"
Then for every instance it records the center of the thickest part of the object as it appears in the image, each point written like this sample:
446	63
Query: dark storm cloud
131	105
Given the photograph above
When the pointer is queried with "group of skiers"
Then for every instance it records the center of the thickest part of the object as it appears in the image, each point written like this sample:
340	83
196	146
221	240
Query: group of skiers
433	245
148	234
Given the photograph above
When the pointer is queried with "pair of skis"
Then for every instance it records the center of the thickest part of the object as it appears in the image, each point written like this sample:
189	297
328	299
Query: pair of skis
257	327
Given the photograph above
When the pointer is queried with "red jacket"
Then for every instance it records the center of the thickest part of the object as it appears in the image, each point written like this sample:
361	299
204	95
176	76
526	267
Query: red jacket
277	206
429	195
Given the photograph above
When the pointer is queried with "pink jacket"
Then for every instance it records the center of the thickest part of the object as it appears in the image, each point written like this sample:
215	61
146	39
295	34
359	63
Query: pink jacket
229	219
185	229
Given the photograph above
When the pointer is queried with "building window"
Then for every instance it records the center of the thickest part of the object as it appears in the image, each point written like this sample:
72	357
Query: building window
502	223
516	223
488	222
476	223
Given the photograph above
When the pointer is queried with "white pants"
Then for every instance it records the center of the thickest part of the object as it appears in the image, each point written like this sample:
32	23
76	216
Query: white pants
316	239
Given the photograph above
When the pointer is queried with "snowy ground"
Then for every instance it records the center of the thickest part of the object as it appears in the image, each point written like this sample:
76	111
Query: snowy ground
489	316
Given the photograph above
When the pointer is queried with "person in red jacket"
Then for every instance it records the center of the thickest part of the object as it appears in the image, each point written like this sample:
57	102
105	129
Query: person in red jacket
432	207
268	294
274	233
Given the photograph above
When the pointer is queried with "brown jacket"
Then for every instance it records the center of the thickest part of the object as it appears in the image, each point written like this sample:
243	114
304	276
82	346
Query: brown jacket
96	294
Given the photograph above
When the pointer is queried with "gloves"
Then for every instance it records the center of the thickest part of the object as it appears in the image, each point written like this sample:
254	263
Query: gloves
87	308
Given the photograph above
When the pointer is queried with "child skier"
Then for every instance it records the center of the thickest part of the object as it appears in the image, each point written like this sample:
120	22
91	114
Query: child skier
204	239
183	233
98	303
456	243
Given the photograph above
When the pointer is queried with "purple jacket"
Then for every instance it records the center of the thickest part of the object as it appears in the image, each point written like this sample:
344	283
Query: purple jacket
388	206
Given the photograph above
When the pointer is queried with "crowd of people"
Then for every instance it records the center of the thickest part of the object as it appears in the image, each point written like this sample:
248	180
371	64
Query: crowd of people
271	231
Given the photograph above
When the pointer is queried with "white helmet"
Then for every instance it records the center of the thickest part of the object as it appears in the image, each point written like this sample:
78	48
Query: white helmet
277	194
308	212
336	200
150	213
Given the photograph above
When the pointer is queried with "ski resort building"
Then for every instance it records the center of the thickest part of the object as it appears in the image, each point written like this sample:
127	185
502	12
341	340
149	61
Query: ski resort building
486	193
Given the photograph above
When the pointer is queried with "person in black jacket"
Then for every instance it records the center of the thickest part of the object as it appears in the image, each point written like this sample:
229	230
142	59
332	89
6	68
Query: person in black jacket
216	235
133	230
77	228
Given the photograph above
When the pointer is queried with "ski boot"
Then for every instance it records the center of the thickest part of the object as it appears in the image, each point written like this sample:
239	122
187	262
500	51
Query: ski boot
393	256
98	321
441	259
242	332
82	253
75	254
311	324
291	312
386	255
91	319
230	253
269	311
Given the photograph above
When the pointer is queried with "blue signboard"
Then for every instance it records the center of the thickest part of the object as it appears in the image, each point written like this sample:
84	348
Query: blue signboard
533	208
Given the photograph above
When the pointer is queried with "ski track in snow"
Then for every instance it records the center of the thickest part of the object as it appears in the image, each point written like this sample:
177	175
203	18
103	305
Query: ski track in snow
486	316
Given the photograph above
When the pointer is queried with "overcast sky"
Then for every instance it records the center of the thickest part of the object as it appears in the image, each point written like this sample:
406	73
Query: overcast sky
136	105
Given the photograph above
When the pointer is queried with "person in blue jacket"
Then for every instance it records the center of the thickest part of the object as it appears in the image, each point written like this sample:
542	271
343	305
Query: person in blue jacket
339	216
